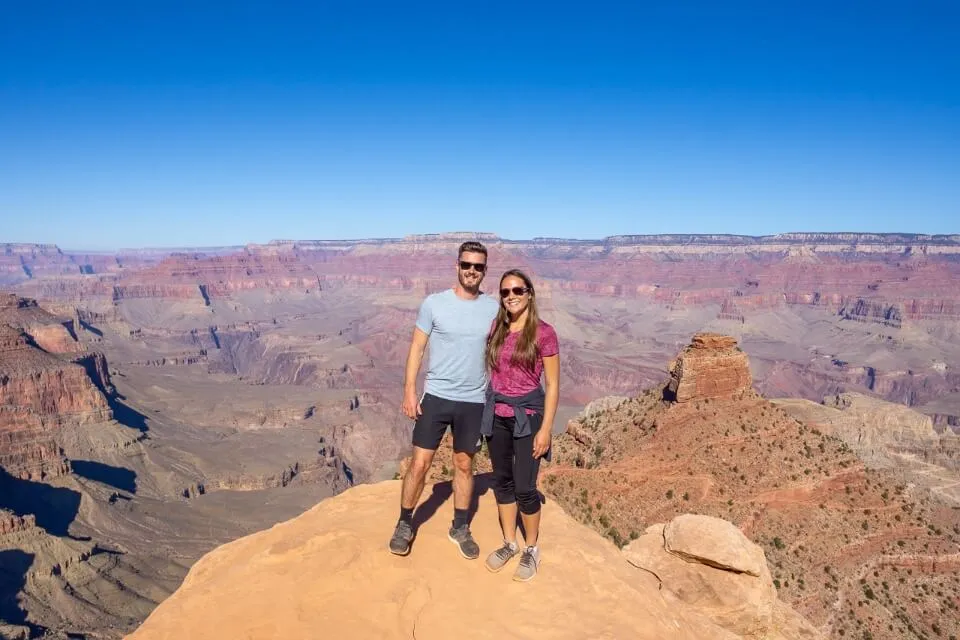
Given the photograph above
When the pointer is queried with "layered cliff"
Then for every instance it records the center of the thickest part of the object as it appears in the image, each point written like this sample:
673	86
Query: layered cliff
887	435
39	392
873	427
45	385
28	445
310	573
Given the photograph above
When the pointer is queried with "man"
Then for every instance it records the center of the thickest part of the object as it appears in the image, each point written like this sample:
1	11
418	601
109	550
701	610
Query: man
456	322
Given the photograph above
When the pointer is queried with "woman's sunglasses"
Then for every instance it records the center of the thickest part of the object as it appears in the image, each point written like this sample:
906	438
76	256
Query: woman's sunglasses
517	291
479	267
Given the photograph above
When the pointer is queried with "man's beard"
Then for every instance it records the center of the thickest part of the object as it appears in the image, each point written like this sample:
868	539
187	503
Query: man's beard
472	288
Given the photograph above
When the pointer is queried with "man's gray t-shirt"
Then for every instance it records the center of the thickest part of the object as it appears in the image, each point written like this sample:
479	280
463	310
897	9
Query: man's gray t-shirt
458	332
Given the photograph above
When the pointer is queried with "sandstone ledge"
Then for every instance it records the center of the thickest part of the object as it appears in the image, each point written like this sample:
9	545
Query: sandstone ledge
329	572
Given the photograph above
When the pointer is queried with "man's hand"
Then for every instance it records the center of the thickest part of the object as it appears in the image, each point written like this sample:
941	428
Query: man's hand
541	442
411	406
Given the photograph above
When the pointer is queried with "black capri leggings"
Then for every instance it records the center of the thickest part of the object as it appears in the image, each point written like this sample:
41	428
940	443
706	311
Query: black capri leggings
514	467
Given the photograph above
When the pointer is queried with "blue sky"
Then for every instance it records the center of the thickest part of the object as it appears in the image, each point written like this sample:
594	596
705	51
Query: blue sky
160	124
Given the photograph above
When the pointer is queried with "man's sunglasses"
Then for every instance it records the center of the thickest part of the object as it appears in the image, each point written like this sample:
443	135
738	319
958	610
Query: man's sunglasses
479	267
517	291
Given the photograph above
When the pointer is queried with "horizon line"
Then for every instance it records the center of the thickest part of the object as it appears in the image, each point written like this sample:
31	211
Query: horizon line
626	238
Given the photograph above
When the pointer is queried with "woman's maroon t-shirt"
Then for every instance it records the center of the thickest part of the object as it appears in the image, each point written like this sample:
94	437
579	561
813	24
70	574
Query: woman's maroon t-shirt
512	380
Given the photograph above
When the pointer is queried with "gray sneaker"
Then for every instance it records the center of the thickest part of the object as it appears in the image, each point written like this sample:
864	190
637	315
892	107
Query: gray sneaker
499	558
461	537
527	568
402	537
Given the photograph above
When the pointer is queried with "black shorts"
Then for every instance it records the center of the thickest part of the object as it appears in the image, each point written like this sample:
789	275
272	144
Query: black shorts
462	417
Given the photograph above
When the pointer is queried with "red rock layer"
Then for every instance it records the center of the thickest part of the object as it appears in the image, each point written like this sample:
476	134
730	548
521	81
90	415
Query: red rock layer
712	366
38	393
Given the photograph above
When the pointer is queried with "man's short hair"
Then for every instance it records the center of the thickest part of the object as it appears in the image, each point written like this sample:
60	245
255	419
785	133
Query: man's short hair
471	246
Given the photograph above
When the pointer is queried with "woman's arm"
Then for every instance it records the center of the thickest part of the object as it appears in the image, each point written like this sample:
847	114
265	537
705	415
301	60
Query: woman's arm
551	383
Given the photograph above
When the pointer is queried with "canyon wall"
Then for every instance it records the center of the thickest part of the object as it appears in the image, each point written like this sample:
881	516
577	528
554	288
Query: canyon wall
892	284
876	277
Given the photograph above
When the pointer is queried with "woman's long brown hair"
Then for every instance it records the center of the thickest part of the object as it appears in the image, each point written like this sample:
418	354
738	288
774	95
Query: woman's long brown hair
526	352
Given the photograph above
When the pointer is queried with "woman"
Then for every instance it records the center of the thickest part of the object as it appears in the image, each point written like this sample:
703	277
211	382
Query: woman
518	417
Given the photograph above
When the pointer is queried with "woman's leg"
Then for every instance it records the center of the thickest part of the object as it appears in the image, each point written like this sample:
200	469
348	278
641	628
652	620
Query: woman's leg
500	446
508	521
525	471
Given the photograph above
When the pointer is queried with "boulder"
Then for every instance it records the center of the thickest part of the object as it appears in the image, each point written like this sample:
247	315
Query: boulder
713	542
708	565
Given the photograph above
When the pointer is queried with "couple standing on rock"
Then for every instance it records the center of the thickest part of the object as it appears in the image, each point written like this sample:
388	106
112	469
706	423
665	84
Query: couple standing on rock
483	380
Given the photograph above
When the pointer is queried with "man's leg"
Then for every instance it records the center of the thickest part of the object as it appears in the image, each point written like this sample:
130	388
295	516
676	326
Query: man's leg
462	484
427	433
416	476
466	437
462	493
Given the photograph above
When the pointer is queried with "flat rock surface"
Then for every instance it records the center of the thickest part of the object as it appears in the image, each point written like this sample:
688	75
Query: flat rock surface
329	572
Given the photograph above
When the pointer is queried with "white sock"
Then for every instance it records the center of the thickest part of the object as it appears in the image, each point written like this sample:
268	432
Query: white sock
512	545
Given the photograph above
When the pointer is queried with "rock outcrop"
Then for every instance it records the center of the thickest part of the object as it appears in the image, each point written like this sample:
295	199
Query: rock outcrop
872	311
12	523
50	333
708	564
310	573
575	427
711	367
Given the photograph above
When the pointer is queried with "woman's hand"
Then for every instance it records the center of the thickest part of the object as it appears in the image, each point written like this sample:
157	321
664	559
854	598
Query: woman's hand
541	442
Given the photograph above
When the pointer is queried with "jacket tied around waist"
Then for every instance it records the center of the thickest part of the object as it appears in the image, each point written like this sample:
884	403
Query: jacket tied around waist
534	400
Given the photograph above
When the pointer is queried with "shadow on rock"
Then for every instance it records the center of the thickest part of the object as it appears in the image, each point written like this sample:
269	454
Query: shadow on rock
54	508
442	492
14	565
117	477
126	415
86	326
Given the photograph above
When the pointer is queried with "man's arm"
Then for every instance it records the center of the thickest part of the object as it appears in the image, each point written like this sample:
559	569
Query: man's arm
411	407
